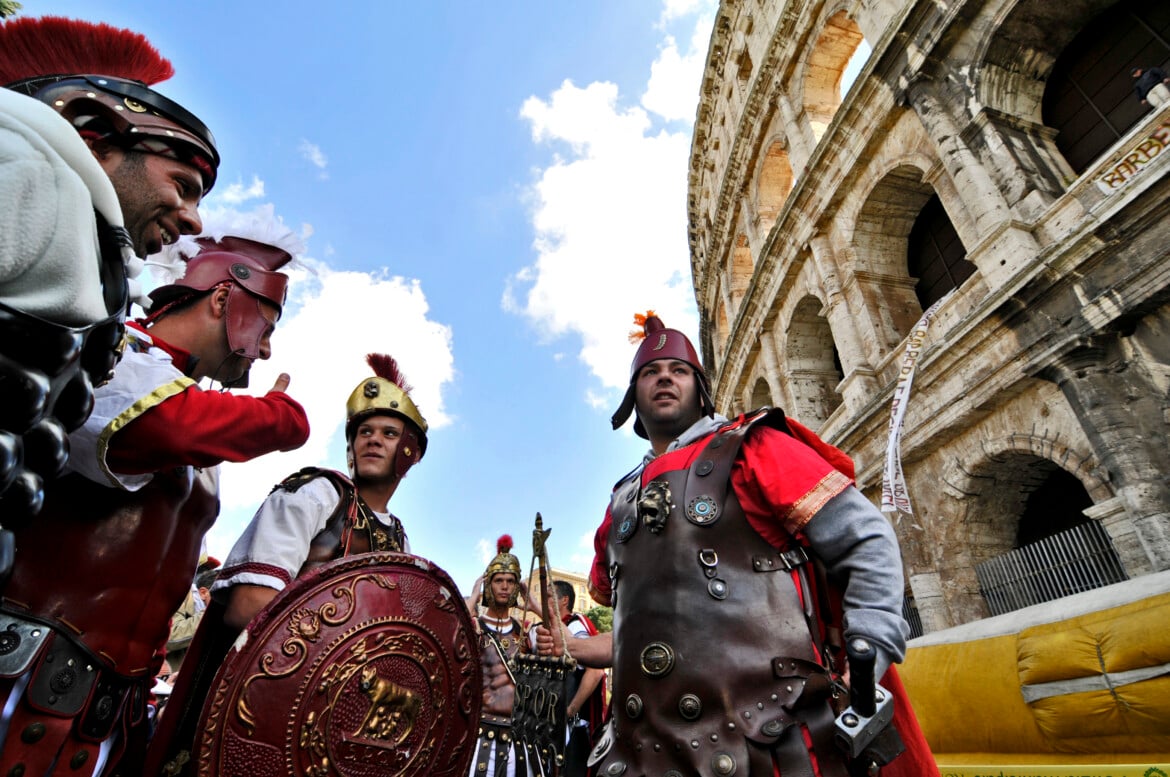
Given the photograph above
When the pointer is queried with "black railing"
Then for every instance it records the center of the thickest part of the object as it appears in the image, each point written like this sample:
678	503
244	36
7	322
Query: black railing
910	614
1079	559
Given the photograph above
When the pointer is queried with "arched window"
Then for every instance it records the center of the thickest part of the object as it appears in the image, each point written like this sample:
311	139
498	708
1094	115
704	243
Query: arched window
761	394
1089	97
935	254
775	183
827	63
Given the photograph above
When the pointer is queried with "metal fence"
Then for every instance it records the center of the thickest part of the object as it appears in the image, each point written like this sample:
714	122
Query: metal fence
910	615
1079	559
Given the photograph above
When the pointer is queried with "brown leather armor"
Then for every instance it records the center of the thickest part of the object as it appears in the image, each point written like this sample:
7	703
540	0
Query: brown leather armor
714	664
351	529
104	569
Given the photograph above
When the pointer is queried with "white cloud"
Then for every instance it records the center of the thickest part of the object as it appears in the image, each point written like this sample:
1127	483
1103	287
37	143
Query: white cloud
673	89
582	556
609	212
313	153
236	193
675	9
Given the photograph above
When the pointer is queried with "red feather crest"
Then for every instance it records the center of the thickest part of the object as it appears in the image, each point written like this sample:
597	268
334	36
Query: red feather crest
55	45
386	367
504	543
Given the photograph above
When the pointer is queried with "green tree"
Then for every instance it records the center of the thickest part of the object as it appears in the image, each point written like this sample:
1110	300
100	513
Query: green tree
602	618
8	7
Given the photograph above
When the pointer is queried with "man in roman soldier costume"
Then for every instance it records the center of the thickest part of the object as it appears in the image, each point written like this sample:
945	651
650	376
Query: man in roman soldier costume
312	517
726	646
95	168
85	614
318	515
502	638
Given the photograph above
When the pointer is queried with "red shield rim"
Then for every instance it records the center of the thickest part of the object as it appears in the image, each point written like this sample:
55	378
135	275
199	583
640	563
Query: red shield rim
367	666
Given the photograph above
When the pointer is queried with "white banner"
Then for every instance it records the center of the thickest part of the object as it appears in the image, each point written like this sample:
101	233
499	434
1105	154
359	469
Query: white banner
894	494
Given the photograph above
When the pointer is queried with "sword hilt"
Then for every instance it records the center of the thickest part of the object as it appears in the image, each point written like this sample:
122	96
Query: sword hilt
862	658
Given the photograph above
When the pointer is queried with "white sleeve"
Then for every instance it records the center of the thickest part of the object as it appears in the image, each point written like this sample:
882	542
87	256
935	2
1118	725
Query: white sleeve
276	543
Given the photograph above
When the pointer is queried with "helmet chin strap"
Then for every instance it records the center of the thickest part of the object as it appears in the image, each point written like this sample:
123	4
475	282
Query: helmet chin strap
241	381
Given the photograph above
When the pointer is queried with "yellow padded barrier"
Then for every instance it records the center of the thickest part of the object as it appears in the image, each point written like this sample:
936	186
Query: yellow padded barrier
969	700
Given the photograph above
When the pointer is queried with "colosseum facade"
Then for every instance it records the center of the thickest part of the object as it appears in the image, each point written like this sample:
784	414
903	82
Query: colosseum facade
856	161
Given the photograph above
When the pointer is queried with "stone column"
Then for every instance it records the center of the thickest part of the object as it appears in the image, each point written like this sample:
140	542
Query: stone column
859	384
994	227
801	141
1120	409
980	195
772	371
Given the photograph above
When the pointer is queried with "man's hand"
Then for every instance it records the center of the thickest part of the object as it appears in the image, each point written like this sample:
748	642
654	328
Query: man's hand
596	651
548	644
281	384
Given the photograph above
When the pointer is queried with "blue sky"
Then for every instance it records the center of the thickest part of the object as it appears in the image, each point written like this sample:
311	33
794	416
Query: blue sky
489	192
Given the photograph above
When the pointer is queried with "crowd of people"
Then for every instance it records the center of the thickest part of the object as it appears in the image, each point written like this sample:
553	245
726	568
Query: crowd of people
738	556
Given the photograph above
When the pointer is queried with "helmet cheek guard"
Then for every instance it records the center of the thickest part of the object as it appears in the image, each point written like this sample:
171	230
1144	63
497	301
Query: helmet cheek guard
246	323
411	448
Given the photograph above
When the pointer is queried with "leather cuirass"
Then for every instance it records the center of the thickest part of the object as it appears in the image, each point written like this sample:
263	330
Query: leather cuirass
712	645
108	567
352	528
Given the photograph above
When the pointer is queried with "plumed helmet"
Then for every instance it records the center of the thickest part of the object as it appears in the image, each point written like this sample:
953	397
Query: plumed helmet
658	342
96	76
388	393
243	250
503	562
250	268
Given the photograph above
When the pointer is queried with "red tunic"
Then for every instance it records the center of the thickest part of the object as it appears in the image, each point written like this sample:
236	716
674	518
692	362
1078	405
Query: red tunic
106	566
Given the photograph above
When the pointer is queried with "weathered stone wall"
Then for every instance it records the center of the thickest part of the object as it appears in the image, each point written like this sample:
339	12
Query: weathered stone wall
1055	354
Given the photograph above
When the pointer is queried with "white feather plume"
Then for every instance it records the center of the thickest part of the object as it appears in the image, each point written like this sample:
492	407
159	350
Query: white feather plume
261	225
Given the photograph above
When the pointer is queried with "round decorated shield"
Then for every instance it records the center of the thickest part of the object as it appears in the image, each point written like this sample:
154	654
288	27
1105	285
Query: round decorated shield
367	666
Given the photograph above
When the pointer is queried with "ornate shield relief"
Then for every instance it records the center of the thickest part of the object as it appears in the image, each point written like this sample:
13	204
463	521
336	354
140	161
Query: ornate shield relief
367	666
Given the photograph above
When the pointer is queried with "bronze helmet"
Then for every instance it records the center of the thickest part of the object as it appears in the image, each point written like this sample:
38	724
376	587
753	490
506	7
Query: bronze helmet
96	76
503	562
387	393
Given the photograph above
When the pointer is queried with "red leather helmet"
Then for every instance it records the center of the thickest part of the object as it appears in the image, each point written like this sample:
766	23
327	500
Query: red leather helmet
250	267
661	343
96	76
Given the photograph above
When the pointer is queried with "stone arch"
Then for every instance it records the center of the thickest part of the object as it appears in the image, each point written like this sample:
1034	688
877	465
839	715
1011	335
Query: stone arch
1018	53
761	394
811	366
740	269
879	242
991	489
838	40
969	479
773	184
